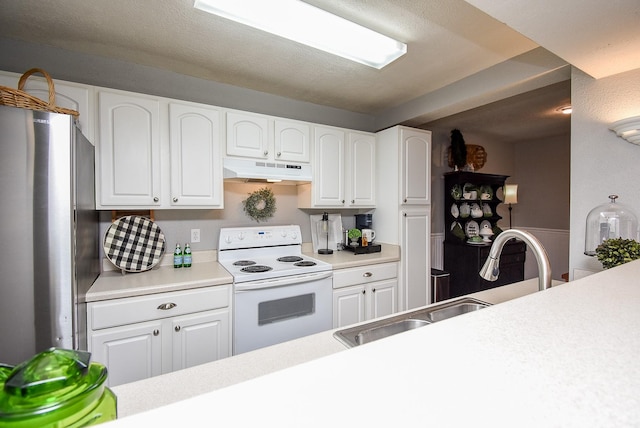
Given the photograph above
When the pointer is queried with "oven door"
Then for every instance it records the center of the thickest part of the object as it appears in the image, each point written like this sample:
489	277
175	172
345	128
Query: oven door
278	310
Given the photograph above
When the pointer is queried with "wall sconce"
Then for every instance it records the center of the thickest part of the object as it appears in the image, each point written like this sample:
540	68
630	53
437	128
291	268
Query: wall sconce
510	197
628	128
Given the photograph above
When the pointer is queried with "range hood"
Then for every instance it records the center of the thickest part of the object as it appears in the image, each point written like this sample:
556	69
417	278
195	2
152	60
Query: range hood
251	170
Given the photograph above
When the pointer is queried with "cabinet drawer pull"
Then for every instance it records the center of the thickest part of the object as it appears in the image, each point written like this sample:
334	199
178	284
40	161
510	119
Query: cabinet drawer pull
156	332
367	274
177	328
167	306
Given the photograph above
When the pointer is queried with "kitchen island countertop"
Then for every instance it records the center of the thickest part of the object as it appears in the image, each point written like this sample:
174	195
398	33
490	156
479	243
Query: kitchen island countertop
160	390
563	357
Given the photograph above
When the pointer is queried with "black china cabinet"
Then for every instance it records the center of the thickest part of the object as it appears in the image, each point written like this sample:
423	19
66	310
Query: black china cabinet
471	224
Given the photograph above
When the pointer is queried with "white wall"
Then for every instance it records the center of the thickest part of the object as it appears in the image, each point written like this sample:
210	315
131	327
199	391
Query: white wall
601	162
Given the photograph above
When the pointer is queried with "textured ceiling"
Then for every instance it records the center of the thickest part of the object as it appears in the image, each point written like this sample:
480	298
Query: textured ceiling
448	40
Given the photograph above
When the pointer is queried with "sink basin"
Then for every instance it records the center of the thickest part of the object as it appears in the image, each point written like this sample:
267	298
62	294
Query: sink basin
455	310
386	330
379	329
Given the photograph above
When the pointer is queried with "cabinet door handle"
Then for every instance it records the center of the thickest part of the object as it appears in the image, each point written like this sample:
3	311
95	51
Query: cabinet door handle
343	201
404	214
177	328
266	152
353	201
405	200
374	290
364	291
167	306
279	154
367	274
156	199
156	332
175	199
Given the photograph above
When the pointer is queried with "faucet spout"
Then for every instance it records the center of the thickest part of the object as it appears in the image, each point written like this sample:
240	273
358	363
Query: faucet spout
491	270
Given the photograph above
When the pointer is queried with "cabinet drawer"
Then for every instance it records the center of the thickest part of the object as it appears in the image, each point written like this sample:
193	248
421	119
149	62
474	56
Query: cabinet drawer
364	274
117	312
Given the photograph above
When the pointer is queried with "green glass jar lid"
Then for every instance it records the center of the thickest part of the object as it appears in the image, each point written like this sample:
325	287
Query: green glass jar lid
51	380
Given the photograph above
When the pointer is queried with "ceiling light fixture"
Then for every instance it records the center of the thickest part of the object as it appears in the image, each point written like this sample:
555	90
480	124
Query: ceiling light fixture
565	110
303	23
628	128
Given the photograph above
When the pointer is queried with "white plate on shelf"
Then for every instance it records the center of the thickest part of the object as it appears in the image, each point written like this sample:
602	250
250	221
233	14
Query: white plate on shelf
476	242
472	229
455	212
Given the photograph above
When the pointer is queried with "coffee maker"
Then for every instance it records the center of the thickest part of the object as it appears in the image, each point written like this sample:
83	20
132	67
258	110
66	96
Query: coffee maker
364	221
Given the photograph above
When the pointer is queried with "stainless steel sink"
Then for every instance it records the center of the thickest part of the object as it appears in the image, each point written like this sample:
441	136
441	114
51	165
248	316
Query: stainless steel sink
379	329
386	330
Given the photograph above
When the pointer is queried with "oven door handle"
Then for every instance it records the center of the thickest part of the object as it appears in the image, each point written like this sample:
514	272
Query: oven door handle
281	282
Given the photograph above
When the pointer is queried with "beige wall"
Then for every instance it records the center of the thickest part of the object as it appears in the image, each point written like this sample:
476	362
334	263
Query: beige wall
542	172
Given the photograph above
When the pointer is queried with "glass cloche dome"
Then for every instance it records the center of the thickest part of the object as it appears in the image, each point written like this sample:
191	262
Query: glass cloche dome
609	221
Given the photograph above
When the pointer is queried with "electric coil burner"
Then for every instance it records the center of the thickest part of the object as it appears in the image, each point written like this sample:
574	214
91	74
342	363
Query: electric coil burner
280	294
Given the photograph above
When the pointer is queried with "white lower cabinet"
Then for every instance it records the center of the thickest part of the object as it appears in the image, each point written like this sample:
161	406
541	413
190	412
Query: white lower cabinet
364	293
140	337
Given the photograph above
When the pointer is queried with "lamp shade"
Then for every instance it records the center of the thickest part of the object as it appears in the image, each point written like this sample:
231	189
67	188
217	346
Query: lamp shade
510	193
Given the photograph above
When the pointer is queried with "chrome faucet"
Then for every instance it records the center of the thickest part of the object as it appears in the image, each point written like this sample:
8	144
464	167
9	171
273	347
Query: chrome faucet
491	269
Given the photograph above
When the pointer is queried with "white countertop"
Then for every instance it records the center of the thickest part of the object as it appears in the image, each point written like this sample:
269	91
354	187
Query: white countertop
207	272
565	357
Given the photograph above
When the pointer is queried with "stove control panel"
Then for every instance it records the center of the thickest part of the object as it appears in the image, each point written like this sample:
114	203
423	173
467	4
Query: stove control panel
257	236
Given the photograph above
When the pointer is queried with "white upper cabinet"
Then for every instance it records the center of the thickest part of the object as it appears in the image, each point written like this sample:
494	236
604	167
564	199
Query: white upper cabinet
292	141
343	170
155	153
361	157
128	151
248	135
196	165
264	137
416	168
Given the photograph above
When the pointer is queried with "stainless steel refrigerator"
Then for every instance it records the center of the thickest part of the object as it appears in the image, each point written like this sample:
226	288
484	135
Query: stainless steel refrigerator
48	235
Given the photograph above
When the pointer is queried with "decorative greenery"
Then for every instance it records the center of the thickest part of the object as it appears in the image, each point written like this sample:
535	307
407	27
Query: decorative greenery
614	252
354	233
260	205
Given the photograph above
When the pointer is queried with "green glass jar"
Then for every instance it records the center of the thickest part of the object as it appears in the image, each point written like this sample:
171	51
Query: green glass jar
55	388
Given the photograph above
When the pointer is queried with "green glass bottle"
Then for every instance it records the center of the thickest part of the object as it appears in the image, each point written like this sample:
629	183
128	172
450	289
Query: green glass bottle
186	261
177	257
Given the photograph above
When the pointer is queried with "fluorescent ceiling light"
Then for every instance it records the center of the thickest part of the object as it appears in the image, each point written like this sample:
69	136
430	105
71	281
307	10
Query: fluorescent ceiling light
303	23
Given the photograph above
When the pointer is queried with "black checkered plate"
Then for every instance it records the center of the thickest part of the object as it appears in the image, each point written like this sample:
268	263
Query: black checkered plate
134	243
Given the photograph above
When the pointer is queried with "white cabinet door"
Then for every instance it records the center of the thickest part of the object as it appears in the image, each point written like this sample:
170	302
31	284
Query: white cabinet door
415	167
248	135
128	154
416	273
361	156
349	306
382	298
132	352
292	141
196	166
200	338
328	176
